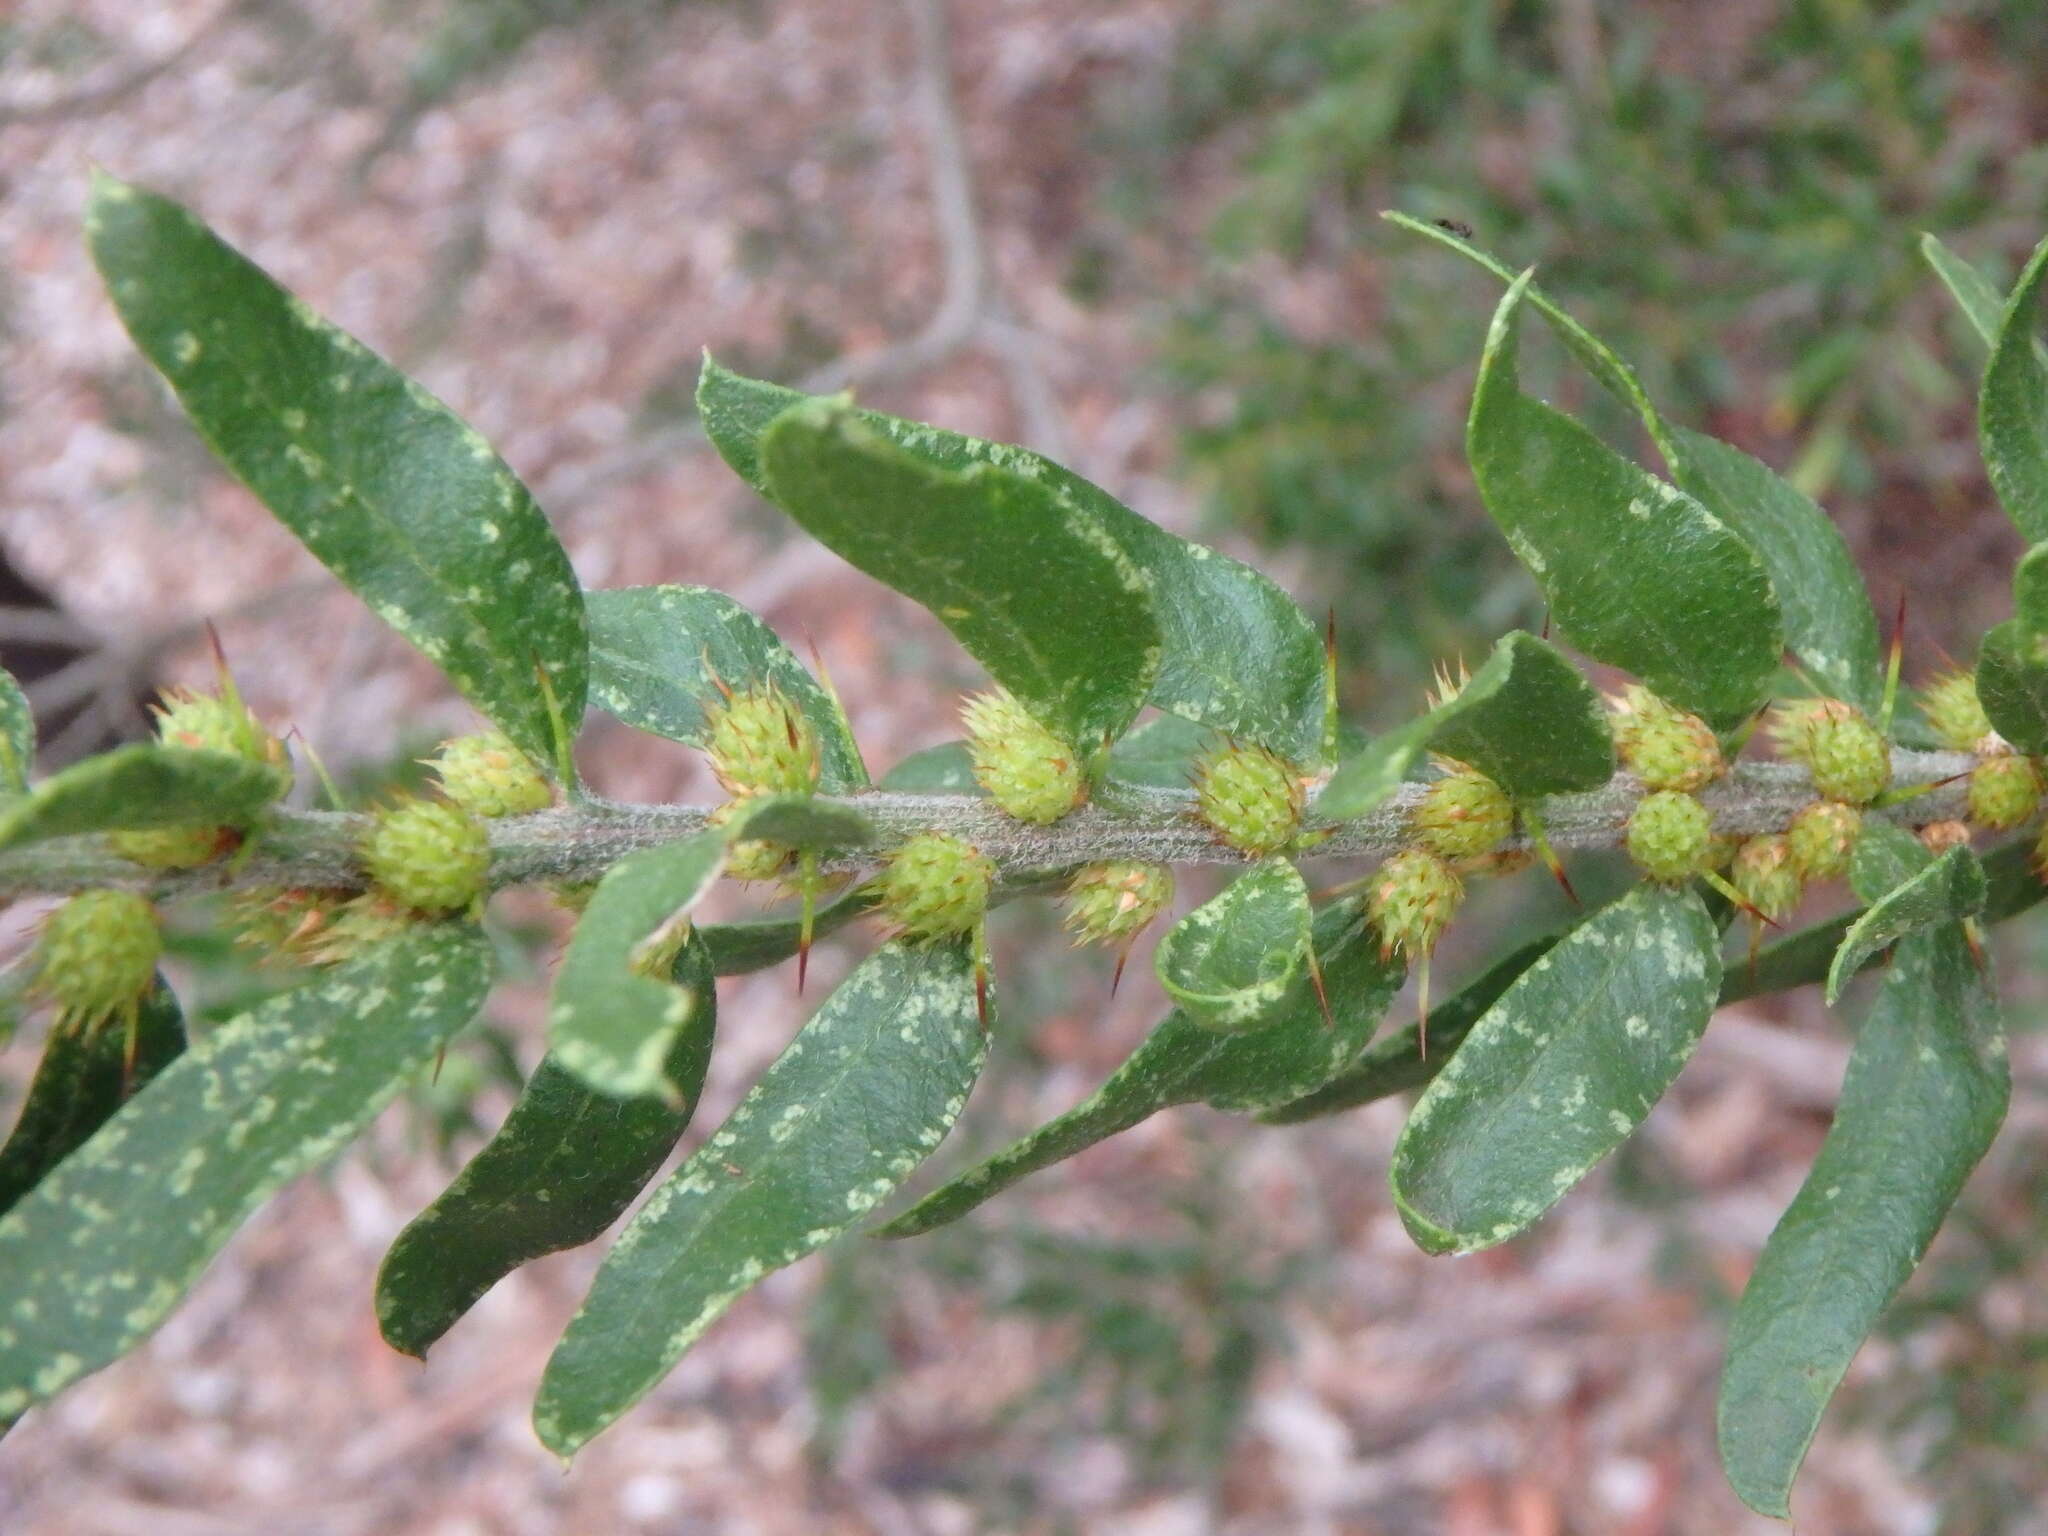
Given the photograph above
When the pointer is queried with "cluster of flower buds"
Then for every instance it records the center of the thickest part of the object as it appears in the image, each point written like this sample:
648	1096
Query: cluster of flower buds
1250	797
96	957
935	886
1026	769
759	743
203	722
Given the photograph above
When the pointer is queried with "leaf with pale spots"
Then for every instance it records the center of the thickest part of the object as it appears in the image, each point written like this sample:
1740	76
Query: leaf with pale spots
1181	1062
611	1024
1231	963
2012	406
1558	1072
947	769
382	482
1925	1093
140	787
1908	889
862	1095
97	1254
564	1166
661	656
1161	753
1236	653
17	736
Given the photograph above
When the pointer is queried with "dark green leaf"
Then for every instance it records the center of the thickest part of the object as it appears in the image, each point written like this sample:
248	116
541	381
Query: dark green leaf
1161	753
1925	1092
2012	682
2012	407
798	821
1231	963
563	1167
1939	891
1558	1072
2030	590
84	1076
142	786
96	1255
862	1095
659	654
17	737
1180	1062
757	943
382	482
946	769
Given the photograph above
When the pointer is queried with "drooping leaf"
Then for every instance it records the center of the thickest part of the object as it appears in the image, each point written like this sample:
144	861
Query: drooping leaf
1936	892
562	1168
17	736
97	1254
1180	1062
862	1095
1237	653
1231	963
142	786
946	769
1637	572
658	656
2012	407
1558	1071
1925	1092
84	1076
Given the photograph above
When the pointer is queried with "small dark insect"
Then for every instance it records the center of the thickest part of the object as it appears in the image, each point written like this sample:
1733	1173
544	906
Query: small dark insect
1457	227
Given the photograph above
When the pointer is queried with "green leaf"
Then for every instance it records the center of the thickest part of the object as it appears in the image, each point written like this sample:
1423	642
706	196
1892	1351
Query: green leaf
1036	591
798	821
1180	1062
1980	301
659	654
381	481
562	1168
1926	1089
2012	407
1638	573
1939	891
1161	753
97	1254
1829	622
17	736
1527	719
757	943
609	1023
1231	963
142	786
1237	653
947	769
85	1075
862	1095
2012	682
1558	1072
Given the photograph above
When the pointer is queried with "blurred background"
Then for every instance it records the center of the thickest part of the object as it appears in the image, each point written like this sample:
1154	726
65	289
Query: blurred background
1141	236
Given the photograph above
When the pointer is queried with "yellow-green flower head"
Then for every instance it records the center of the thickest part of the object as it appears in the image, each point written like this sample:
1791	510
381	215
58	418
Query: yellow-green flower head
1937	837
1251	797
1411	901
760	743
936	885
97	956
209	722
174	847
1463	815
750	859
489	777
1954	712
2004	791
1026	769
428	855
1670	836
1842	750
1113	903
1765	876
1663	745
1822	838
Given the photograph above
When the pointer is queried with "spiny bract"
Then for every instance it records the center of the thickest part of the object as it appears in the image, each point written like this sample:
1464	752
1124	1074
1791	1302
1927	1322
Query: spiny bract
428	855
936	885
1113	903
1663	745
1670	836
1954	712
1842	750
487	776
97	956
1463	815
1411	901
1822	837
2004	791
1026	769
1250	796
760	743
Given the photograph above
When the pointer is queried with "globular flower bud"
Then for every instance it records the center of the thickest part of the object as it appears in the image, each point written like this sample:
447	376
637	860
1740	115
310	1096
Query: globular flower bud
2004	791
1937	837
1670	836
174	847
97	956
489	777
1764	876
751	858
1026	769
1463	815
428	855
936	885
1822	837
1411	901
760	743
1954	712
203	722
1843	751
1663	745
1113	903
1250	796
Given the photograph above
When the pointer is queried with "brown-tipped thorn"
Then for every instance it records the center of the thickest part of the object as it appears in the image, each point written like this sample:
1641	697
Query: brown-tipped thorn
1315	976
724	689
1422	1008
1545	635
1330	636
1974	937
440	1061
1116	977
981	991
1549	857
131	1048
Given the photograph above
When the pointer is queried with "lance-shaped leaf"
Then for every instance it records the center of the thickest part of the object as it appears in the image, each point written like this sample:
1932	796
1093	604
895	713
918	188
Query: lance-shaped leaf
1180	1062
85	1075
659	656
1925	1092
1231	963
562	1168
862	1095
1035	589
1975	294
1915	891
616	1013
1558	1072
97	1254
404	502
2012	407
1637	572
754	944
17	736
1236	652
142	786
1526	719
